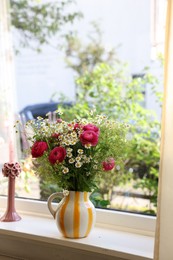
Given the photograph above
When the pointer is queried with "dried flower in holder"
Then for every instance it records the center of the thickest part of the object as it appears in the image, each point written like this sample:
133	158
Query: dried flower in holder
11	171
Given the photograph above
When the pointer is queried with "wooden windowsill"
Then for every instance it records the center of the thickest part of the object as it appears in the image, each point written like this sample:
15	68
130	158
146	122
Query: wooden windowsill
103	240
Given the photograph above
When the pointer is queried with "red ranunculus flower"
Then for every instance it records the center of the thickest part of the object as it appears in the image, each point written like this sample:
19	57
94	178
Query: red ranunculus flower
38	149
91	127
77	126
55	135
89	137
108	165
59	120
57	155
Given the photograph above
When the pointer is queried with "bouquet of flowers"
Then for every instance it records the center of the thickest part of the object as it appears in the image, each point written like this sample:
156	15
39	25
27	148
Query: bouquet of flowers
76	154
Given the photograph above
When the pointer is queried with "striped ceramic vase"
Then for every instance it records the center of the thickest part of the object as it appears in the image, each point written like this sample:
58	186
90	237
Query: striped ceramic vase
75	214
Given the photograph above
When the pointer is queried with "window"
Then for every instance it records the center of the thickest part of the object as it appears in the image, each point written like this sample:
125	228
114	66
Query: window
41	77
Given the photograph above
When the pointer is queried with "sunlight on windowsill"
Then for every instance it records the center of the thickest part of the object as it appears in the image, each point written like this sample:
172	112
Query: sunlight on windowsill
104	239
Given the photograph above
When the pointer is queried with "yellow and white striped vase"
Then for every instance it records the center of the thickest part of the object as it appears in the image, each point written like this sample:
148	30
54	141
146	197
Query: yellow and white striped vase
75	214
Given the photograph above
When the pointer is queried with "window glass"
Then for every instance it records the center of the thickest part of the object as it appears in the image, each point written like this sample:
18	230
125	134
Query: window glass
57	62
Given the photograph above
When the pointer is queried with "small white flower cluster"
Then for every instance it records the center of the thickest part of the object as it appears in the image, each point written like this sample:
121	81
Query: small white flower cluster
70	138
80	159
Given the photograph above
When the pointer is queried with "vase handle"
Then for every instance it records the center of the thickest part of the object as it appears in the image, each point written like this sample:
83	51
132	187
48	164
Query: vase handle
49	202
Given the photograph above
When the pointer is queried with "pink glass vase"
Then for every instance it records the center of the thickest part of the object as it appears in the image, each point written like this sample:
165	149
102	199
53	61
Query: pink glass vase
11	170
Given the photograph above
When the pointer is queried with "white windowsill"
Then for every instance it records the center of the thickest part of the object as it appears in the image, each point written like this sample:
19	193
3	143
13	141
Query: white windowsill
107	239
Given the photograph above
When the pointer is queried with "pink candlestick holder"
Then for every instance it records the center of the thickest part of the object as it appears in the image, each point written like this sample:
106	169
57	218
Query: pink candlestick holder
11	170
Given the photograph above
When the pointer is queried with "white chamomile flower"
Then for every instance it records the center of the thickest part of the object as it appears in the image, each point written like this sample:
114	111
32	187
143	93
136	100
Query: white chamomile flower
80	151
65	170
65	193
70	127
95	167
59	112
72	160
73	139
69	155
73	134
78	164
69	149
39	118
87	146
73	142
78	158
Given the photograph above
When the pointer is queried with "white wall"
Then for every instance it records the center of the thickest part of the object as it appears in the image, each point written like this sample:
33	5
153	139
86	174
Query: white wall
38	76
125	22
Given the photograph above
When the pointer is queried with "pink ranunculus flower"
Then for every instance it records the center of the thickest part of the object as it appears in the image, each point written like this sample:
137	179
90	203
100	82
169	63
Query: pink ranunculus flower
91	127
89	137
57	155
38	149
108	165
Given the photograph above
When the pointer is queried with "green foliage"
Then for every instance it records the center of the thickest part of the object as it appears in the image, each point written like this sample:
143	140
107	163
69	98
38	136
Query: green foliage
38	22
144	157
113	92
47	188
98	200
82	57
